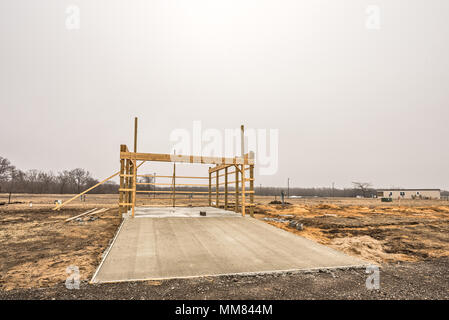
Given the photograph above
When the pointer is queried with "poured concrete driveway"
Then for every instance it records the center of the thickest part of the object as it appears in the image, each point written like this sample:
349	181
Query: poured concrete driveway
178	247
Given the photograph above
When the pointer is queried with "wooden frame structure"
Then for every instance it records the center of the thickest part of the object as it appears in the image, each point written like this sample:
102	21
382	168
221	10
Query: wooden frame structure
240	165
128	179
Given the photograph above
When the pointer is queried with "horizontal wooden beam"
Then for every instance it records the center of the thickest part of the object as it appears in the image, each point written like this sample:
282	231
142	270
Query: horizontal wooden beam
170	184
171	177
171	192
220	167
125	204
184	158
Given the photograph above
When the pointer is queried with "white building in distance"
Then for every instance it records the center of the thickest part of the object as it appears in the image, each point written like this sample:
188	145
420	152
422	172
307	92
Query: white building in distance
409	193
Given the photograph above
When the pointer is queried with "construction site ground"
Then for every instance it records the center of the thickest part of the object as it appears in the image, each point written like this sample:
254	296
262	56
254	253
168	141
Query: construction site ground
409	239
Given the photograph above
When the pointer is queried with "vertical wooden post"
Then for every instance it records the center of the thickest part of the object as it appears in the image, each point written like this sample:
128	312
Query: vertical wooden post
217	186
236	188
134	168
251	189
135	134
210	189
128	184
242	151
134	186
226	189
174	184
243	189
121	197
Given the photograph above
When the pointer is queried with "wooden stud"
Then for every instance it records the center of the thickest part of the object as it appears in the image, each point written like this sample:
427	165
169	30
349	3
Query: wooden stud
251	188
174	183
236	189
181	177
226	189
80	215
134	187
135	134
210	189
131	182
127	183
170	184
122	180
216	189
243	190
177	192
219	167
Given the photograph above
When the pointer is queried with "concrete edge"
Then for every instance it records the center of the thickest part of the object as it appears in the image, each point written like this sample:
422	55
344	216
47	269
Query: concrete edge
106	252
362	261
254	273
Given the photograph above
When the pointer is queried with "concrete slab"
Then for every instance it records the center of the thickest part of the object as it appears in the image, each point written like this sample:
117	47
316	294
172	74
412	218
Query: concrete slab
167	212
181	247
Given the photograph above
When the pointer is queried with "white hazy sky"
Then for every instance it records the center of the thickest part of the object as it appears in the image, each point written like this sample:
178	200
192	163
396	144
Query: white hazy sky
350	103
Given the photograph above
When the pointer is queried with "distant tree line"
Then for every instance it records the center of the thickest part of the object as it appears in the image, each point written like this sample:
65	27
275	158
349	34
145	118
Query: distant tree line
276	191
316	192
14	180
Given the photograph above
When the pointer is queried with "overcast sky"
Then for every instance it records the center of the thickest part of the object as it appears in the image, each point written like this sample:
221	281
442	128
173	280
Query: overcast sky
351	103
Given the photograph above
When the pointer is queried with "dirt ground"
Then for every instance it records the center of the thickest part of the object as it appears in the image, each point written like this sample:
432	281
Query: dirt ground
369	229
37	246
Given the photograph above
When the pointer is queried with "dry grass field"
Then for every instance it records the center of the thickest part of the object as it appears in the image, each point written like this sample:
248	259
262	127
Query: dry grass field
37	245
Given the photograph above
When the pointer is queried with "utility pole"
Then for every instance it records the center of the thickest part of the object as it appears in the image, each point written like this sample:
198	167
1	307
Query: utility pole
333	184
242	146
288	188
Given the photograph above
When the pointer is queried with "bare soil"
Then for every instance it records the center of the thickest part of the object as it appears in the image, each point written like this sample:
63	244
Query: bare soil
37	246
373	231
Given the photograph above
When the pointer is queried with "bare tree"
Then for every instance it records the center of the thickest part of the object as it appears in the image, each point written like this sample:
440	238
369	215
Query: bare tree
45	181
80	177
362	186
32	179
15	177
63	180
13	180
5	169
